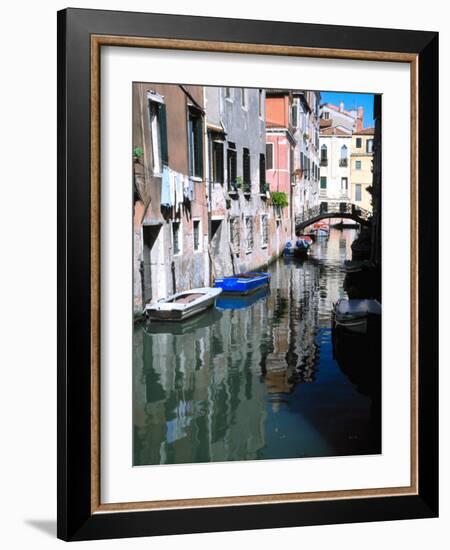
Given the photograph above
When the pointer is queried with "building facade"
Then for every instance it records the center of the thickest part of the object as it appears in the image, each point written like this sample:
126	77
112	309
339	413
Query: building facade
280	154
335	148
305	121
170	213
241	219
362	167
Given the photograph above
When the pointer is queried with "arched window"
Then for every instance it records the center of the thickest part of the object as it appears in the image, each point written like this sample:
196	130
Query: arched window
344	152
323	155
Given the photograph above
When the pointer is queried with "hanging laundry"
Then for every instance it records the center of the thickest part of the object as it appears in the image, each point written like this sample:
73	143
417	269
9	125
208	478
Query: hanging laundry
166	195
191	189
186	192
179	191
172	179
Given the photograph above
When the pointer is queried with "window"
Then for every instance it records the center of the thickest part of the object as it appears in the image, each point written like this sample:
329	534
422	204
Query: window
246	170
261	103
248	234
244	98
235	234
302	161
196	235
326	115
344	185
227	93
195	138
323	182
357	192
369	146
262	173
357	165
358	143
158	127
323	155
176	238
269	156
231	166
343	159
294	116
217	161
264	230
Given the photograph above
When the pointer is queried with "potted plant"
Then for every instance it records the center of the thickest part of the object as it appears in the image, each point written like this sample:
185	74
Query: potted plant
138	153
279	199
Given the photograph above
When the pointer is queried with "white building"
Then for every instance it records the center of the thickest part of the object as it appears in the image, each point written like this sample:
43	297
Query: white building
335	148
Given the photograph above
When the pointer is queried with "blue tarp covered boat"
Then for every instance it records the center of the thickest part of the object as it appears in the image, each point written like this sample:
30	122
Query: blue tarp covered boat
243	283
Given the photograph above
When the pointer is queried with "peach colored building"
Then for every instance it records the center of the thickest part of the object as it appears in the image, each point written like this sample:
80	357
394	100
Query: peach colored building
280	144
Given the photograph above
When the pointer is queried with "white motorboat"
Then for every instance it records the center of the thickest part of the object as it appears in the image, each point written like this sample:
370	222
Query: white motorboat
353	314
182	305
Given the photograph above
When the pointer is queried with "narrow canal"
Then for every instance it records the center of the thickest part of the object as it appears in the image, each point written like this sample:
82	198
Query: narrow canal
255	378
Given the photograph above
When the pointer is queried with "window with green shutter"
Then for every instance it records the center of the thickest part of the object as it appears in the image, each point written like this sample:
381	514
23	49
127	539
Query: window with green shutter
246	169
323	182
158	132
195	142
269	156
262	173
231	168
217	161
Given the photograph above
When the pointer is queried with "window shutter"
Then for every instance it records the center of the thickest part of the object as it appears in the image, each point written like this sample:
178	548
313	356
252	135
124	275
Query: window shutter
246	166
262	171
198	129
163	129
219	162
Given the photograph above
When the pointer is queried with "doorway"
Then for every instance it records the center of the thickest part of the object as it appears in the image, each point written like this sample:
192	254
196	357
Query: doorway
150	235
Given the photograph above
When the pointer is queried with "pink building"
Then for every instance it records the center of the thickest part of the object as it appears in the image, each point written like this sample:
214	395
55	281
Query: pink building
280	144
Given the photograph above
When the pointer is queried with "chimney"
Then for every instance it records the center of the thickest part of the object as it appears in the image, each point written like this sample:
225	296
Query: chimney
341	106
359	119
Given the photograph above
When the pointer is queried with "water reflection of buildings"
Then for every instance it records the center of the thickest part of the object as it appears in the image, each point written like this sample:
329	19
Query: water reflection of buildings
206	393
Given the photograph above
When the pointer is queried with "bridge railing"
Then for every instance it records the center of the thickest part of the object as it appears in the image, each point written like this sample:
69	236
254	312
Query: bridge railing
329	208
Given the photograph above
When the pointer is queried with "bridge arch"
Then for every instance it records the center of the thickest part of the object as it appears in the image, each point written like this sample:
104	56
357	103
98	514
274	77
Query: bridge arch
332	209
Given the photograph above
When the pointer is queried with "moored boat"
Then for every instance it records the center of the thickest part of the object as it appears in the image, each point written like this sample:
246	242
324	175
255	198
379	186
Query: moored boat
192	324
354	315
302	246
182	305
243	283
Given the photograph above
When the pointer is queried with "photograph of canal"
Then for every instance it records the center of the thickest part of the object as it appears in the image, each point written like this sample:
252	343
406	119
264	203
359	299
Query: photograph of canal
256	274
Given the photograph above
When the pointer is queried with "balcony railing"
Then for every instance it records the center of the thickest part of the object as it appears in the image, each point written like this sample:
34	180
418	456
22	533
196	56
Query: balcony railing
323	162
343	162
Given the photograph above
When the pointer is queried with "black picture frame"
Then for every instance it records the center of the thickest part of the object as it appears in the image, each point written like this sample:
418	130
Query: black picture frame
76	521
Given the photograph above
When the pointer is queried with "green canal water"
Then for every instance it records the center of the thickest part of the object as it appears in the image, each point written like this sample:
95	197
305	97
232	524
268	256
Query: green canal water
255	378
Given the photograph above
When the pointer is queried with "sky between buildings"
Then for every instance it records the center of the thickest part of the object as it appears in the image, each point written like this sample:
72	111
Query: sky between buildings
352	101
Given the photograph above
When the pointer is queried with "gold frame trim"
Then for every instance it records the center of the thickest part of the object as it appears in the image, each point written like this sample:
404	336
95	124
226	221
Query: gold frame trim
97	41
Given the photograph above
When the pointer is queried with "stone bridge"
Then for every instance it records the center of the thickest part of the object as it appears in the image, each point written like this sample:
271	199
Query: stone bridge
332	209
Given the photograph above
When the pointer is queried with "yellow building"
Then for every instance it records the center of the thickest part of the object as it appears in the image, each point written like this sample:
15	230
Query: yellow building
361	167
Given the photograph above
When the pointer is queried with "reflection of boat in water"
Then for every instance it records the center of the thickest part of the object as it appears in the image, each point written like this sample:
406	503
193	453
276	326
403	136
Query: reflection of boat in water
356	266
354	315
238	301
182	305
243	283
190	325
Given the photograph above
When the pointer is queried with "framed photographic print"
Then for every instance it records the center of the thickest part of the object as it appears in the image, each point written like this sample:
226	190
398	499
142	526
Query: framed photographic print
247	274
